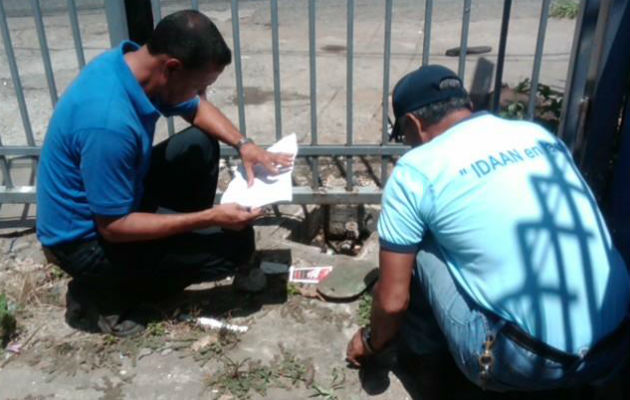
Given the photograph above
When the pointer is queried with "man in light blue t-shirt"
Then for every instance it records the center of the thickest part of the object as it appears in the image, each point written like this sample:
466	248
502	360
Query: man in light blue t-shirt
493	248
101	180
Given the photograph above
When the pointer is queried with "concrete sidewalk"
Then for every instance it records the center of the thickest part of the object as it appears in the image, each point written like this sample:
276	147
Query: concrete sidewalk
290	337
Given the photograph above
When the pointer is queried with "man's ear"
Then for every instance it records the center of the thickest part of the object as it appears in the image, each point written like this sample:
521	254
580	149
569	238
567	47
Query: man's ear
413	130
172	64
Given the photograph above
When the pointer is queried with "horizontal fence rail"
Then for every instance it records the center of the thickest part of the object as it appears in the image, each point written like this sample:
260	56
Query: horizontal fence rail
385	153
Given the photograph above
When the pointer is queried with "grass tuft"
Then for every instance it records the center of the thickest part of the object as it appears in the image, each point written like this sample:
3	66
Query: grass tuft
564	9
8	323
364	310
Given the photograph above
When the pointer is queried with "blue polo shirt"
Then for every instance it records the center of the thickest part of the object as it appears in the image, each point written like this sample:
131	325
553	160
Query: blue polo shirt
97	149
519	228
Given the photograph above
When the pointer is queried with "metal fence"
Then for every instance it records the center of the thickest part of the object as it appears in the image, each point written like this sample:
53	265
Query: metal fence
348	152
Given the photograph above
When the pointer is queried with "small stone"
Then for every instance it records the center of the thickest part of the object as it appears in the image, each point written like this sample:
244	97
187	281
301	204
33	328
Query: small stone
166	352
203	342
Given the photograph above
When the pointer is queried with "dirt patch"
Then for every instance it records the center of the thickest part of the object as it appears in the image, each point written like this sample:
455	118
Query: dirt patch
334	48
255	96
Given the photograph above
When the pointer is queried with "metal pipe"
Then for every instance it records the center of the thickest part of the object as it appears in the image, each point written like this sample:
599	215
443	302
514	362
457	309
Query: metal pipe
577	71
4	166
540	42
43	47
312	69
15	77
306	195
385	100
313	88
157	11
463	45
426	40
228	151
276	67
590	86
157	16
116	21
170	124
349	92
76	32
238	69
505	21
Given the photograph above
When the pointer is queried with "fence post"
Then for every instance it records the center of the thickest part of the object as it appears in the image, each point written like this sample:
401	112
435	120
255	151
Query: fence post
116	21
139	20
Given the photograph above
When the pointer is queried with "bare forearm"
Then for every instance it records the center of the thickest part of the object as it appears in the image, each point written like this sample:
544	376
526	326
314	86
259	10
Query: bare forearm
212	121
384	323
147	226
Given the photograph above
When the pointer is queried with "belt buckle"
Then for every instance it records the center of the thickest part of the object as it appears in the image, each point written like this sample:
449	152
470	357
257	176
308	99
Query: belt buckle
486	361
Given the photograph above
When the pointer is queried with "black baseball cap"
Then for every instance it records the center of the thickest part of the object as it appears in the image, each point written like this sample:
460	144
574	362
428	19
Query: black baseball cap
426	85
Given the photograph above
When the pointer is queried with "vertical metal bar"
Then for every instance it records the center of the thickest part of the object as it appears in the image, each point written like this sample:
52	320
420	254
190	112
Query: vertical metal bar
276	67
195	4
43	47
540	42
463	45
349	90
577	71
4	166
596	64
116	21
157	16
498	78
76	32
313	69
313	88
426	42
386	60
15	77
170	124
236	36
157	11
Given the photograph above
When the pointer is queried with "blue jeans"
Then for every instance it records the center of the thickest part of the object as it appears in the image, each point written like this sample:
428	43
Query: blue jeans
441	318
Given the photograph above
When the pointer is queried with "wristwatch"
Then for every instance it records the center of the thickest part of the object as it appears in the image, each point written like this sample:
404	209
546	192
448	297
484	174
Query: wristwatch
243	142
366	337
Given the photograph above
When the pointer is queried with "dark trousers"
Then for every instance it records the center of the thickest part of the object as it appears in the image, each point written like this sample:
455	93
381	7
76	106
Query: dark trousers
183	178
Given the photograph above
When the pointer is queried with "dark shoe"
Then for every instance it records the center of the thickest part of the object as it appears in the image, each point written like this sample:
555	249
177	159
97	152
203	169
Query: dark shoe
250	280
83	313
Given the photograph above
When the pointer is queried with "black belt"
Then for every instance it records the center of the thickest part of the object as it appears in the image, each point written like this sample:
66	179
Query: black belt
525	340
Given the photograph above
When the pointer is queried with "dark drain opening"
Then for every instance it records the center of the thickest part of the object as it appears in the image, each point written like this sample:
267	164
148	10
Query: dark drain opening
336	229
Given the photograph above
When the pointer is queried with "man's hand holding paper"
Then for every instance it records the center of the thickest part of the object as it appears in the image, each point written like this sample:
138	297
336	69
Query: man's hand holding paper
270	184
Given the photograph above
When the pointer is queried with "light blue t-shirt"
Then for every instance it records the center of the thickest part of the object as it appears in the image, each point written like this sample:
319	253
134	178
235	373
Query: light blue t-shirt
97	149
518	226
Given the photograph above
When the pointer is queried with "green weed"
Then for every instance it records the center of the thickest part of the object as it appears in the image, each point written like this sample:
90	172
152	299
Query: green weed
156	329
293	289
547	109
364	311
337	382
8	323
55	273
240	379
564	9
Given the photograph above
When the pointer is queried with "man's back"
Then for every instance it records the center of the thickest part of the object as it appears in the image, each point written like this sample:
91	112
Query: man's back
103	116
519	228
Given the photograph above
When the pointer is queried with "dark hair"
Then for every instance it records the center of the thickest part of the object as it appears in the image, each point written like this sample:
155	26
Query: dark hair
433	113
190	37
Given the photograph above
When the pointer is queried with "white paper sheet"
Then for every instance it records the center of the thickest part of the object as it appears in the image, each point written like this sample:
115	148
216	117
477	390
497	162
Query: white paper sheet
267	189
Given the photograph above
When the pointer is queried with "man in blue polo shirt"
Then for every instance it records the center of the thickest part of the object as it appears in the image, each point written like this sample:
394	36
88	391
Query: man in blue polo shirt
101	180
493	248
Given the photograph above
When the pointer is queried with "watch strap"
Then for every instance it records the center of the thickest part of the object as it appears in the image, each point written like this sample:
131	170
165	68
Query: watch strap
366	337
243	142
